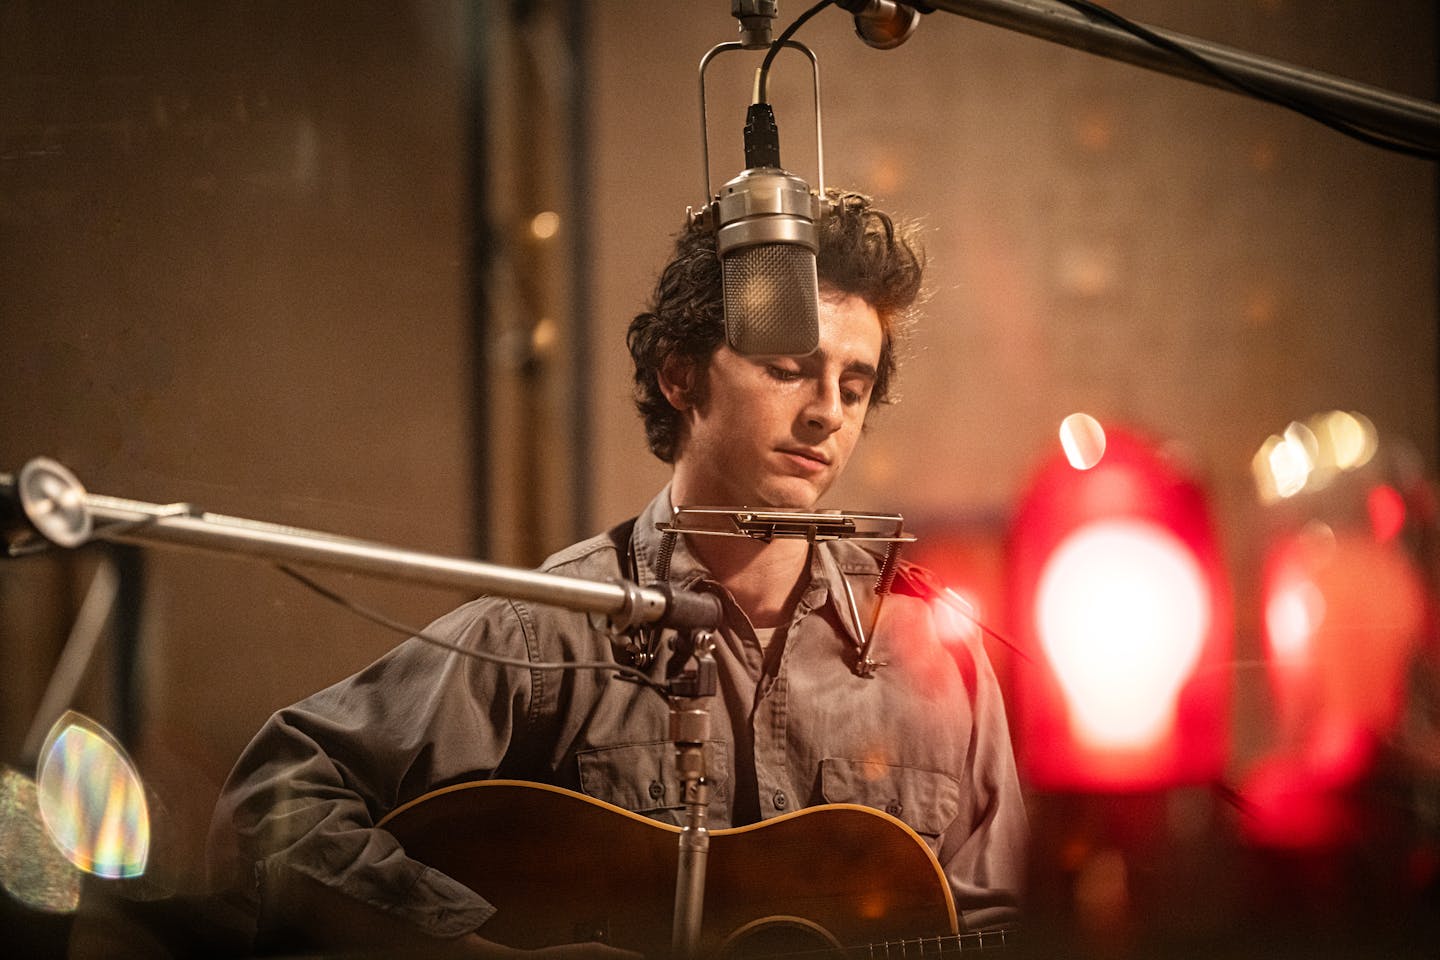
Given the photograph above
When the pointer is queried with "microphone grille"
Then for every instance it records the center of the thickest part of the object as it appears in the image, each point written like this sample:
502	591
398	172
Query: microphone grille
772	300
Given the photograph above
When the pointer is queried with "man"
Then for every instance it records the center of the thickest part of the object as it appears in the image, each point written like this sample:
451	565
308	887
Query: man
795	722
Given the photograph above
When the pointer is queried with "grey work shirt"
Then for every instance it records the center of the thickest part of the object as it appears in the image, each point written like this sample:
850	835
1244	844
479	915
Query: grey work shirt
925	738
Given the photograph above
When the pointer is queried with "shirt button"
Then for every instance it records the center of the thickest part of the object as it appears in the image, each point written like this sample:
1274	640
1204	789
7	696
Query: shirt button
781	801
894	808
656	790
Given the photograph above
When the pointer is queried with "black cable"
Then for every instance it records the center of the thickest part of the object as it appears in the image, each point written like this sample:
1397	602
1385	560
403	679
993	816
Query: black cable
374	616
762	92
102	533
1000	638
1314	112
1233	797
117	527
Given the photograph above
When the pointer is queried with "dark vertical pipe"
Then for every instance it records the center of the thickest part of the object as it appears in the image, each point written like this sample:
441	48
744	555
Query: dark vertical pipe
128	684
530	148
577	39
481	255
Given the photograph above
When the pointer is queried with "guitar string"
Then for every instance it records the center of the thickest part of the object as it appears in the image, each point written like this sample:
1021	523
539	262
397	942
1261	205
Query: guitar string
945	943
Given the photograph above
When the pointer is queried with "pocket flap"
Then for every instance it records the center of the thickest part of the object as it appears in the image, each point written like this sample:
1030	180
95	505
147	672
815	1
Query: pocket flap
927	800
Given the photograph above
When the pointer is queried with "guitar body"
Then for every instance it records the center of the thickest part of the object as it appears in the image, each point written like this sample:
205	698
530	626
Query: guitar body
562	867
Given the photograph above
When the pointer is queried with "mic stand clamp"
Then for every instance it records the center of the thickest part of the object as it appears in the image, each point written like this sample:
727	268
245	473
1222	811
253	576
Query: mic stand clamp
692	679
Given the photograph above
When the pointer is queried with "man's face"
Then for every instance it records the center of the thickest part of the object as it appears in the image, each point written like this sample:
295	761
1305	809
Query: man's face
778	431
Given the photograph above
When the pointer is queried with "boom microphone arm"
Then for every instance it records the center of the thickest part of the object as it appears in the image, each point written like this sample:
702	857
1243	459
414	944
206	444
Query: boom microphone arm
1379	111
53	504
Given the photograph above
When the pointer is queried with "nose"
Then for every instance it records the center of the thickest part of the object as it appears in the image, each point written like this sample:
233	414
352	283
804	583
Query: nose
824	411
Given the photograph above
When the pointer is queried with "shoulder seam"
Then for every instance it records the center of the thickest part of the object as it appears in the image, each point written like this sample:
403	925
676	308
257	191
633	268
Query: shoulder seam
579	551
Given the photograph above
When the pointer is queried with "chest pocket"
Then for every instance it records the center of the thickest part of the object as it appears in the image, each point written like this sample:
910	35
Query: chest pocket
927	801
641	777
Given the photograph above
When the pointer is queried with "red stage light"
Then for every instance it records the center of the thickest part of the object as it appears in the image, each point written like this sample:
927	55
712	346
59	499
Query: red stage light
1343	613
1115	581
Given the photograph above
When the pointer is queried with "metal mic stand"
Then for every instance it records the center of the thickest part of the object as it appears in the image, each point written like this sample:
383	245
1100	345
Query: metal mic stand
692	679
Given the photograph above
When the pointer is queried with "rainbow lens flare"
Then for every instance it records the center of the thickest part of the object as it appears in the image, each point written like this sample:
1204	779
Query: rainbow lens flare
92	800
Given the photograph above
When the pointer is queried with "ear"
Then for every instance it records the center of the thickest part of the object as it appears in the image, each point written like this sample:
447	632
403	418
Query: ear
677	381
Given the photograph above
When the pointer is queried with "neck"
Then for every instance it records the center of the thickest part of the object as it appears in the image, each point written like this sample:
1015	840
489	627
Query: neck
764	578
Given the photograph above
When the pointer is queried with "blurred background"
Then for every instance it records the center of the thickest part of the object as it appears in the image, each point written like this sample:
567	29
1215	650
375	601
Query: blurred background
367	268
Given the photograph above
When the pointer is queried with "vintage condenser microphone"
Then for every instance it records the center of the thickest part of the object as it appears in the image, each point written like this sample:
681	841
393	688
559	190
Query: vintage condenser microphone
766	219
767	239
767	235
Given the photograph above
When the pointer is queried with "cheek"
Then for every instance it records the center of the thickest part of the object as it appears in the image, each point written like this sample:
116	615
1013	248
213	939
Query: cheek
850	435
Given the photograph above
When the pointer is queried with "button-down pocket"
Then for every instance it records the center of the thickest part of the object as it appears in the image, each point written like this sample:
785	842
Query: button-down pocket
641	777
926	800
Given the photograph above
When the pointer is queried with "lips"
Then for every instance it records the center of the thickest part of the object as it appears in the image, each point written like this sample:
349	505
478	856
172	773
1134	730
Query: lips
806	458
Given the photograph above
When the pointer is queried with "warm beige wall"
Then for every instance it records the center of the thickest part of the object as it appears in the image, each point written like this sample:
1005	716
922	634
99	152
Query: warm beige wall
239	280
232	270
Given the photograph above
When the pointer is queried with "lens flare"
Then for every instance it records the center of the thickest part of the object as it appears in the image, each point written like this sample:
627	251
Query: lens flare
957	619
1083	440
544	225
1387	511
1292	615
92	801
1352	438
1294	461
1308	456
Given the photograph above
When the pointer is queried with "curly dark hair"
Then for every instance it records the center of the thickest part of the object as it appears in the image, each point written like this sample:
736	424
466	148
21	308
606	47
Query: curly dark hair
863	253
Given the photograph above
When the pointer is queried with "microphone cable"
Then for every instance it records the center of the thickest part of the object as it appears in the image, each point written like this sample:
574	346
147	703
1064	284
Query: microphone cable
762	82
623	671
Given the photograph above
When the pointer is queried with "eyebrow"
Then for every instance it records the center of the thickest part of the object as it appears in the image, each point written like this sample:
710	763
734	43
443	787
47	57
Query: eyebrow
820	356
861	367
854	366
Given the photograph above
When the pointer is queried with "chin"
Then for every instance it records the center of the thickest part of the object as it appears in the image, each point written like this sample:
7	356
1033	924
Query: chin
790	497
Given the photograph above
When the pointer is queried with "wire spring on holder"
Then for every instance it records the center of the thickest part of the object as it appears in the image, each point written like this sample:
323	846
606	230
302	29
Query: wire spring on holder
641	651
886	579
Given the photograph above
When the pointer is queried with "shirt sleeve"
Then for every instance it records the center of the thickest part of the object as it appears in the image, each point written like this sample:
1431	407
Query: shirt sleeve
986	862
307	792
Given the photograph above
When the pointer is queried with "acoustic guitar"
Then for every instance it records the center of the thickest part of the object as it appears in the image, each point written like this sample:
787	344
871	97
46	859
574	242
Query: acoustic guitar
561	867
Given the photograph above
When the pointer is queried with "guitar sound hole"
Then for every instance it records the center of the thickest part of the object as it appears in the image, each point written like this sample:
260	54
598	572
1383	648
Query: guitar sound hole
780	937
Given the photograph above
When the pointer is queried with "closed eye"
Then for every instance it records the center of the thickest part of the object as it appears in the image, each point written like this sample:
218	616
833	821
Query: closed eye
856	391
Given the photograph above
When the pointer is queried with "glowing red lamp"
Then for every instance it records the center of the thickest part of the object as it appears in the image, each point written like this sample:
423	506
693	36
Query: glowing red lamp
1116	588
1344	610
1346	607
